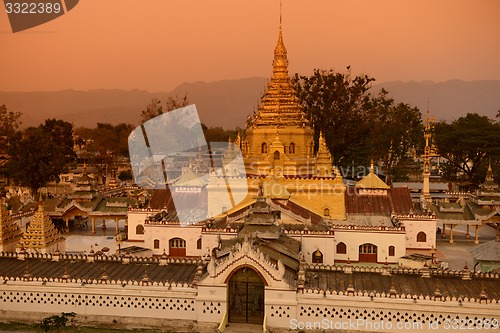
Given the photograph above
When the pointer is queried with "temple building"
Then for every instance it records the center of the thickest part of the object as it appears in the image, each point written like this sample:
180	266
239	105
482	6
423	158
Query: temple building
297	246
9	231
41	235
333	222
279	137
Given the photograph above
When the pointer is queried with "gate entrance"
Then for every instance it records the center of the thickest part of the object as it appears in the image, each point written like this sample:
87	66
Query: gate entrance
246	297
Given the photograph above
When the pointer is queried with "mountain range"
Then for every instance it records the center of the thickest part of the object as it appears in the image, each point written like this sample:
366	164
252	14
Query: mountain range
227	103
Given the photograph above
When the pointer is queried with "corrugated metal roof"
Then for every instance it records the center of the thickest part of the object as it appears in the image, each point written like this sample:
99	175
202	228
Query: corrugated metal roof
412	284
397	200
39	268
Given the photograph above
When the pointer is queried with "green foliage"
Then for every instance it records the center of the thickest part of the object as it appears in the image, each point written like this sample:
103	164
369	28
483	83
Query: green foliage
357	125
40	154
155	108
125	175
56	321
104	143
468	143
9	121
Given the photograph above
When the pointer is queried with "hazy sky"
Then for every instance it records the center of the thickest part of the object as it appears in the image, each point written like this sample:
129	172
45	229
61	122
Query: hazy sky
158	44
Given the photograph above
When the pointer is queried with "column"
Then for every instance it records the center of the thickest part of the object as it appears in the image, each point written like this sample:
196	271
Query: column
443	234
93	224
103	224
67	224
467	235
117	230
476	241
451	234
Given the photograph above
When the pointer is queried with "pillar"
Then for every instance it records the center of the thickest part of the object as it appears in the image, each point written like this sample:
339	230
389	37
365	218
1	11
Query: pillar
451	241
467	235
476	241
103	224
117	230
93	224
67	224
443	234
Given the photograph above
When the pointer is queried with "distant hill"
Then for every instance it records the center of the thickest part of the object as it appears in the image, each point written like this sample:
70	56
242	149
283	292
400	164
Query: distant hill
448	100
227	103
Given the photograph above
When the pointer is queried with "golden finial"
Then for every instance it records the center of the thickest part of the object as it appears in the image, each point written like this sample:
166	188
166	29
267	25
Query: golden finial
281	6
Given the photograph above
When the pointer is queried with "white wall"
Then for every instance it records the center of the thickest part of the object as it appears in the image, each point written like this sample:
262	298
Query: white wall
382	239
414	226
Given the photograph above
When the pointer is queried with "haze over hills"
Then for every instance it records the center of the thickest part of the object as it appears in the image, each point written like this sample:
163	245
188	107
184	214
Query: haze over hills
227	103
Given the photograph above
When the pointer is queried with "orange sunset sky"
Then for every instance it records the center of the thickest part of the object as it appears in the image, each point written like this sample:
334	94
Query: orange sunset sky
158	44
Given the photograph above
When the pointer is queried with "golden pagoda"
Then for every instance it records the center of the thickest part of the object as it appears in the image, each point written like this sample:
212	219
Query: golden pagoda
324	160
279	136
41	235
9	231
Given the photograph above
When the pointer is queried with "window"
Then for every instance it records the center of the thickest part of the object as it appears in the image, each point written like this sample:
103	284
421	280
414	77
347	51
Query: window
341	248
264	148
276	155
367	249
291	149
317	257
139	230
177	247
421	237
177	243
326	212
392	251
198	244
156	244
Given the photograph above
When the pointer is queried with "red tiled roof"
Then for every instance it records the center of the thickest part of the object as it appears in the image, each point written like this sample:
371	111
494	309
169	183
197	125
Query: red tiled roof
397	200
163	198
299	210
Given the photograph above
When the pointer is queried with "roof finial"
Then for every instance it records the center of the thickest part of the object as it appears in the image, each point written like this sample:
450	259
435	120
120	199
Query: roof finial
281	5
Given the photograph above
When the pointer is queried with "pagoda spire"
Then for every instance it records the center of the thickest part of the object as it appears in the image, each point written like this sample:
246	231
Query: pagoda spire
324	160
279	105
427	157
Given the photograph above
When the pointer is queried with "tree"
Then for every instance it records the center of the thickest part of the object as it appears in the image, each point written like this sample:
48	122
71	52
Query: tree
357	126
395	129
154	109
125	175
467	143
337	105
9	121
40	154
57	321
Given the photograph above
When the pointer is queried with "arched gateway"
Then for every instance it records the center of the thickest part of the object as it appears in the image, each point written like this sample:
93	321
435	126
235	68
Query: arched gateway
246	297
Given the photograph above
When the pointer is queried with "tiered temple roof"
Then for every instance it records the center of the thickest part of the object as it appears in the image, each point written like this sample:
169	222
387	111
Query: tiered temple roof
279	106
9	230
41	235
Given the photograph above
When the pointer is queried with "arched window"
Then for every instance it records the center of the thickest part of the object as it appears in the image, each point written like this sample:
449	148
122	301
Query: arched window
264	148
326	212
392	251
276	155
367	249
177	247
198	244
341	248
421	237
139	230
156	244
317	257
291	149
